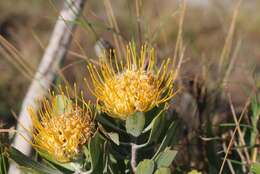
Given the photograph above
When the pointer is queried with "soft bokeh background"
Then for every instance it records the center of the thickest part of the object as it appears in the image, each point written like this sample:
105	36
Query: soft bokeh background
26	22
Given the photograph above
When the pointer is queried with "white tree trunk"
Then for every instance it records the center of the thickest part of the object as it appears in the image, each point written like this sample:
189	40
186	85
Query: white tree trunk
54	54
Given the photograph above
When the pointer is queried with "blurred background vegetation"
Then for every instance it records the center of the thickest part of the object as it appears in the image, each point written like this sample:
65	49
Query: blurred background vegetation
27	24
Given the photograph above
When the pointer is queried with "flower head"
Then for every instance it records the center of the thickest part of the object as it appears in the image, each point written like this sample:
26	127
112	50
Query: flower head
61	127
136	85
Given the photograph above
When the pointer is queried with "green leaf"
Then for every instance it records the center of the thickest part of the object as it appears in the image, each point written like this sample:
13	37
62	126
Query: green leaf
169	138
255	168
3	160
106	121
50	159
25	170
163	170
156	127
165	158
152	114
135	124
145	167
114	137
95	148
157	117
26	162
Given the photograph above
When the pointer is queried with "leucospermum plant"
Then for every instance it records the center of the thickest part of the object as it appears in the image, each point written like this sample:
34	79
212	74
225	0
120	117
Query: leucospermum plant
63	134
132	98
136	86
128	130
61	127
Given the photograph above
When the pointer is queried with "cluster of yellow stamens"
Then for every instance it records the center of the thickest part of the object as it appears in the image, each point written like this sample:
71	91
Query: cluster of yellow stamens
61	127
125	87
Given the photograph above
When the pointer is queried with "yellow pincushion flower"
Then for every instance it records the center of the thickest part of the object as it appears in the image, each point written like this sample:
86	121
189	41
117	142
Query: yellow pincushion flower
134	86
61	128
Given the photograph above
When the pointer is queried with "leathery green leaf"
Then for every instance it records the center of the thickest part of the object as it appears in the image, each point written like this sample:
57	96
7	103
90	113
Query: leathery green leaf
145	167
135	124
95	148
114	137
25	162
165	158
163	170
49	158
156	128
168	139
